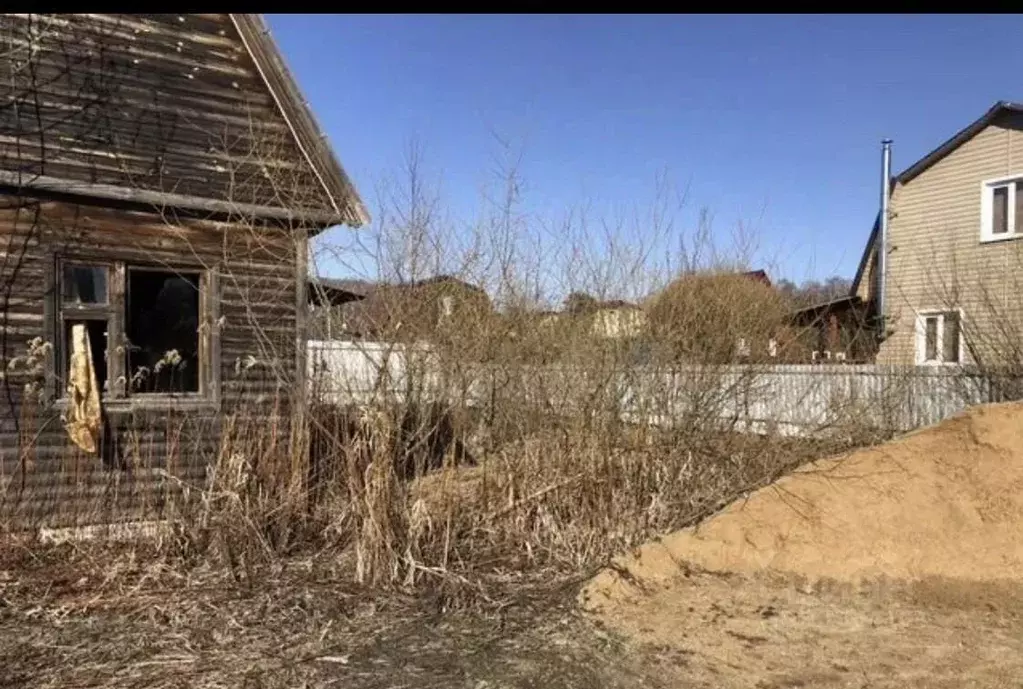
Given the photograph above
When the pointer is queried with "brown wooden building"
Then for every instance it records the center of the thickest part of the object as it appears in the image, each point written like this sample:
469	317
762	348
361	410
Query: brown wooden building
160	177
837	331
407	311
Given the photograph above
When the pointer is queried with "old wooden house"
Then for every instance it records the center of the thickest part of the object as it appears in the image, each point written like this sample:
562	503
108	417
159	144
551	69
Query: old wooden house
160	179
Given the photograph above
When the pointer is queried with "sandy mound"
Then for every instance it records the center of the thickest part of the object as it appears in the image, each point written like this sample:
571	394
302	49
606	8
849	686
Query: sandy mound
945	501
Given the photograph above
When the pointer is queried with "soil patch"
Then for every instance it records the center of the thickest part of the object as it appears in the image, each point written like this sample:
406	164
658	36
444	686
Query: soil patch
731	631
946	502
899	565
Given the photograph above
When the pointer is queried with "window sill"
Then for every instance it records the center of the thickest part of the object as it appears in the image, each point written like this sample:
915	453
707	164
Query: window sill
154	403
939	364
995	239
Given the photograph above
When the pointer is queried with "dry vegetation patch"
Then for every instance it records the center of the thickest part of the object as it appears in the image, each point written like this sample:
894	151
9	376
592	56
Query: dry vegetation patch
69	619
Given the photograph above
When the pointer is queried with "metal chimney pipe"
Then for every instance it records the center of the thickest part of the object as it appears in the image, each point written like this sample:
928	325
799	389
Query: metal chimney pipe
881	264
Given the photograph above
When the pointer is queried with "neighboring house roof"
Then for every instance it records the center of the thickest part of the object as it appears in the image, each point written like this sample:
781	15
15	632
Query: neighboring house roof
359	287
615	304
759	275
861	269
165	121
336	291
369	305
958	139
838	303
438	279
916	169
366	287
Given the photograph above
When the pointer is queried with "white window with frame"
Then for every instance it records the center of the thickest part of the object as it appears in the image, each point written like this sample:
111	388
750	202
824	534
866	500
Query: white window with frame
742	348
1001	207
939	338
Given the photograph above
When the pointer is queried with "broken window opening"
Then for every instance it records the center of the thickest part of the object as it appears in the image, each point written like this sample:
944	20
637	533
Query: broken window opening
162	328
84	285
143	325
97	331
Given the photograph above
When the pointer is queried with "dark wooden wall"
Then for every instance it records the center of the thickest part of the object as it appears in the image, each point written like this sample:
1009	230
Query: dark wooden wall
254	314
169	103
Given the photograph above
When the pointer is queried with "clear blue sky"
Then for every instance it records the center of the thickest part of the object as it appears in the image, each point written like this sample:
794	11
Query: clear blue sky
774	120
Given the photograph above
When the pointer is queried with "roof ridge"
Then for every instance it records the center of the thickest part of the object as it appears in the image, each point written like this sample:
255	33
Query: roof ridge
957	140
271	65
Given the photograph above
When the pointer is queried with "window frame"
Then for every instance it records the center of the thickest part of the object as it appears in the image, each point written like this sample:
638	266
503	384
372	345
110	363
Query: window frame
114	312
921	337
743	349
106	312
987	195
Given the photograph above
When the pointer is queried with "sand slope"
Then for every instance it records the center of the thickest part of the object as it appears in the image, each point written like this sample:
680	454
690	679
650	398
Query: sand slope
945	501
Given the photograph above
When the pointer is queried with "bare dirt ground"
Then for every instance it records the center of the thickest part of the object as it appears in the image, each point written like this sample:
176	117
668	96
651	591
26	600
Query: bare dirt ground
898	565
83	626
944	501
713	630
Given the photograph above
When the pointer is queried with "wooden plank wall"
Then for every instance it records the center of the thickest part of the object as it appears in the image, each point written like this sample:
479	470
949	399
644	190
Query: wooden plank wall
160	102
254	316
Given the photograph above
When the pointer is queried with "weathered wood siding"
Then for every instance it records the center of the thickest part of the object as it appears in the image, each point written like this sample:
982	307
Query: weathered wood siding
163	102
253	314
937	259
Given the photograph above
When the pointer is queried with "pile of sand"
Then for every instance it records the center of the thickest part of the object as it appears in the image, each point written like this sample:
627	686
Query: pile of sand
945	501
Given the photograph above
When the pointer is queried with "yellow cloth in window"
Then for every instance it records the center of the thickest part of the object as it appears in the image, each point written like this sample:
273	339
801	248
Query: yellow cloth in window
83	416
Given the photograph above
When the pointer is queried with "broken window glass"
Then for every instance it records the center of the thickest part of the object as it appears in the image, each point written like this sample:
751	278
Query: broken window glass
162	327
84	284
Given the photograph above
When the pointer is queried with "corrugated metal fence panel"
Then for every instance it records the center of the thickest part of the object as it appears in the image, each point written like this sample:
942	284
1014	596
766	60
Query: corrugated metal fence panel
357	371
817	397
794	399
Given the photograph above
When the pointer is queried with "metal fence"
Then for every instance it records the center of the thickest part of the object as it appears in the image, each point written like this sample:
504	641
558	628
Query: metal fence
357	372
790	399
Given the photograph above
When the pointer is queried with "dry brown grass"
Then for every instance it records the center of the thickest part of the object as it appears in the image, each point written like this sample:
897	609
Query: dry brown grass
127	620
563	479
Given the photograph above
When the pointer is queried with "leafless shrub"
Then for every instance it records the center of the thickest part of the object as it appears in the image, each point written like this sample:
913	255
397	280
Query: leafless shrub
588	428
595	425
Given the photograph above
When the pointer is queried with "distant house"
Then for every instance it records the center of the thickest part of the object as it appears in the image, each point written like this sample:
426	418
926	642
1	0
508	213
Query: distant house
618	319
758	276
355	309
605	319
328	299
835	331
951	291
